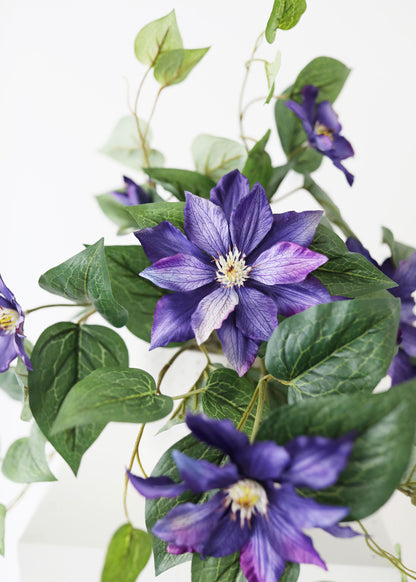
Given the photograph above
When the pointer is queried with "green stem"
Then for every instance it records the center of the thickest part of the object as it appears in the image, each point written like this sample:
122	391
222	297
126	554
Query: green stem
54	305
298	150
188	394
243	89
166	367
85	317
135	455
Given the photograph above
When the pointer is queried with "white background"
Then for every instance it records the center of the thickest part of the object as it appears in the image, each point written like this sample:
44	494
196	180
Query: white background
63	70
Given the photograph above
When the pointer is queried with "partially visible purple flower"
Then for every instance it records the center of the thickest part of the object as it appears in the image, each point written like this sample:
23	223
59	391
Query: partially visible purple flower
11	329
255	508
132	195
321	125
236	267
402	368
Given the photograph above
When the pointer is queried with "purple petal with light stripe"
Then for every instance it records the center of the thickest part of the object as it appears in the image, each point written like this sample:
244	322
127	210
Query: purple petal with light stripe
165	240
262	460
316	462
155	487
200	476
227	538
19	339
180	273
240	350
251	220
220	434
229	192
286	263
256	314
259	560
8	351
212	310
206	225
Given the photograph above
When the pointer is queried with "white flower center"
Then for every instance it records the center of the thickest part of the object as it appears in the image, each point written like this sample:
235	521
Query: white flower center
232	269
9	320
247	497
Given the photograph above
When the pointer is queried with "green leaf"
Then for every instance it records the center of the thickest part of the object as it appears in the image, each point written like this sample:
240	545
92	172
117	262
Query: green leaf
328	243
11	385
335	348
399	251
258	166
2	527
277	176
332	211
225	569
25	460
149	215
157	508
156	38
64	354
124	144
291	573
285	15
328	74
385	424
227	396
136	294
215	156
84	278
127	555
174	66
116	212
271	72
112	395
177	181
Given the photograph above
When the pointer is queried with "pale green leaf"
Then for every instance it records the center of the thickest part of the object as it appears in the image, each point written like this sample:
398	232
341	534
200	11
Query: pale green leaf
174	66
216	156
127	555
156	38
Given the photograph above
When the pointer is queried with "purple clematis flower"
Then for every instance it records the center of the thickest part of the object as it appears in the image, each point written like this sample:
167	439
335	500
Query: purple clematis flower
11	329
132	195
321	125
236	267
402	368
255	509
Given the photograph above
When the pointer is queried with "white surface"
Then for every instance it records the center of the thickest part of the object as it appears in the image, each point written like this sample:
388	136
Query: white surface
62	70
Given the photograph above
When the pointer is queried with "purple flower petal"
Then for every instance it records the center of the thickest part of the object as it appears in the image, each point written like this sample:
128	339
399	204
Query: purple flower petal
256	314
206	225
200	476
292	299
189	525
19	339
301	114
341	531
262	460
180	273
284	263
327	116
401	369
8	351
348	175
259	560
405	275
251	220
408	338
165	240
155	487
316	462
229	192
212	310
7	294
323	143
240	350
354	246
309	96
341	149
227	538
220	434
172	318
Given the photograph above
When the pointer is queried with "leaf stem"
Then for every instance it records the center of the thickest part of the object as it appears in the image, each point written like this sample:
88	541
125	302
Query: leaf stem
188	394
54	305
135	455
166	367
241	110
18	497
86	316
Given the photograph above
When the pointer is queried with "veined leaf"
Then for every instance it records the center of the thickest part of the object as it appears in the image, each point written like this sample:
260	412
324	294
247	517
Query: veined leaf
215	156
148	215
172	67
156	38
127	555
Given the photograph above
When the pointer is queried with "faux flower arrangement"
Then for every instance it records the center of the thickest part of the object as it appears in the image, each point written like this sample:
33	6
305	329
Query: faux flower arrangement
284	431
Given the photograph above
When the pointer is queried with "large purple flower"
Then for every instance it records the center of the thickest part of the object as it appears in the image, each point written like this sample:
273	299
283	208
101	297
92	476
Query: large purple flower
256	508
402	367
11	329
236	267
321	125
132	195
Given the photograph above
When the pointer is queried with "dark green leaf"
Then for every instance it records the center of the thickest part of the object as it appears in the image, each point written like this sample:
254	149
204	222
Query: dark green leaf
177	181
64	354
328	243
334	348
328	74
25	460
2	528
84	278
291	573
148	215
285	15
258	166
136	294
399	251
385	424
276	178
112	395
157	508
127	555
174	66
331	209
215	156
225	569
156	38
116	212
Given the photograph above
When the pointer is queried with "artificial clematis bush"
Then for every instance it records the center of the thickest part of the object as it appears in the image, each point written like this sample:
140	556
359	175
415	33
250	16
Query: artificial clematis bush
297	324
